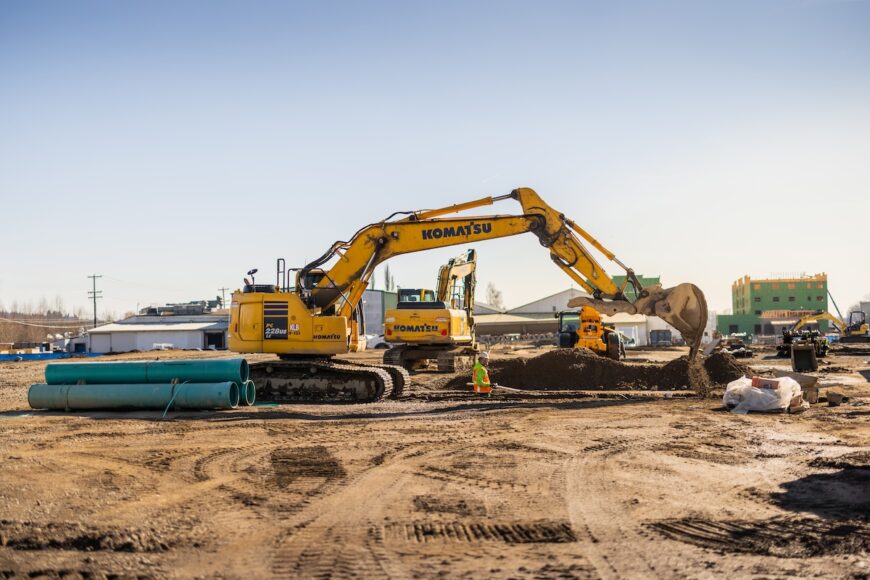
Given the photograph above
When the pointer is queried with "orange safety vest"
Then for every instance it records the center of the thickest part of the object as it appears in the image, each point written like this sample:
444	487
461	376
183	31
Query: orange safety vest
480	378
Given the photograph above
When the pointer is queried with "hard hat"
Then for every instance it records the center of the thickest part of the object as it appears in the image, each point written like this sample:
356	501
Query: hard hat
484	354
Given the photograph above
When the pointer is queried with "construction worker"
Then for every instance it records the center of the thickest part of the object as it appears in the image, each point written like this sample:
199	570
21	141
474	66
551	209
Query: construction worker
480	376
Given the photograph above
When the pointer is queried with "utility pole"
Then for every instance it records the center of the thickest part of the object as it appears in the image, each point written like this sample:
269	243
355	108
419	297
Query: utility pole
95	295
223	292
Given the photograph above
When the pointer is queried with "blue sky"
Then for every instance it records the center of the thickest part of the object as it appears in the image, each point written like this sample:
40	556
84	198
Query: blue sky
171	146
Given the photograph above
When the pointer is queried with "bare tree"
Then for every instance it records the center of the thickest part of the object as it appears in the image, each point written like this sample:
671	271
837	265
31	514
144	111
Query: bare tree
389	280
493	296
58	306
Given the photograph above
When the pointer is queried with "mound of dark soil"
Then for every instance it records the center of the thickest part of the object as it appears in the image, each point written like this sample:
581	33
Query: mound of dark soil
583	369
724	368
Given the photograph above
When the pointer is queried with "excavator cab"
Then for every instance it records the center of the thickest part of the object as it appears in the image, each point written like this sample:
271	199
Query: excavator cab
857	323
416	295
569	322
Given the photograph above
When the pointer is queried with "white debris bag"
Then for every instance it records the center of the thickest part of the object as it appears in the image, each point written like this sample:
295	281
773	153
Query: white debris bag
743	397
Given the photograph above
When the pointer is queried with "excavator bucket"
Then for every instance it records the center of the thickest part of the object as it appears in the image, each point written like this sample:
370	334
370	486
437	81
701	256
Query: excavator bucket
803	356
683	307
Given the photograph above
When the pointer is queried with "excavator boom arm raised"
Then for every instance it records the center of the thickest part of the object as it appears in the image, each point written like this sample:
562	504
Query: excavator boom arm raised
814	318
425	230
341	288
460	268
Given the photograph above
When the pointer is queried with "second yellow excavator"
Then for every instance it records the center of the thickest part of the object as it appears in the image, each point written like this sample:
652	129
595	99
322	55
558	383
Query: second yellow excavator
307	324
435	326
856	330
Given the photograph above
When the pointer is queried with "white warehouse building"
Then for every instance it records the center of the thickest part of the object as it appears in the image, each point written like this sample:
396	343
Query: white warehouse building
205	331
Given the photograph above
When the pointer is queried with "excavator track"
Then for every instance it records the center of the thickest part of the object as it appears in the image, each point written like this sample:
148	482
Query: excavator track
393	356
400	376
320	381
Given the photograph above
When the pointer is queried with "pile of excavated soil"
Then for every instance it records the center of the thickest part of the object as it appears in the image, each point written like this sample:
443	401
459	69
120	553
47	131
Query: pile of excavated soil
583	369
724	368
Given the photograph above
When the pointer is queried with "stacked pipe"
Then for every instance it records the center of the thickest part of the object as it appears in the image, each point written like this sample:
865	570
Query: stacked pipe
179	384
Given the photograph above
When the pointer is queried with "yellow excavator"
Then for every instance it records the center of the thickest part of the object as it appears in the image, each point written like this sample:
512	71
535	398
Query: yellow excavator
319	316
805	346
439	325
856	330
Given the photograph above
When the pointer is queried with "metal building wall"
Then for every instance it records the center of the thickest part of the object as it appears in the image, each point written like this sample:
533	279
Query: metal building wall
375	303
100	342
129	341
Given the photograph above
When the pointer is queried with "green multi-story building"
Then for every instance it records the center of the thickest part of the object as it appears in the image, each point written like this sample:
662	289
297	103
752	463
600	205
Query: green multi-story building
764	307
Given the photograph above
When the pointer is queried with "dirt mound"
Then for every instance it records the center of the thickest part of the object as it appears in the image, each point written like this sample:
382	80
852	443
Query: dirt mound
583	369
724	368
567	368
68	536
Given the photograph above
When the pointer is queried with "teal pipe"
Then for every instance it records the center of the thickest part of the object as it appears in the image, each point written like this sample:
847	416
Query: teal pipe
247	393
223	395
140	372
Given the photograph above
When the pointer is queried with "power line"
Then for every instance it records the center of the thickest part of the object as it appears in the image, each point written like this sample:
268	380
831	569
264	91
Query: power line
223	292
96	295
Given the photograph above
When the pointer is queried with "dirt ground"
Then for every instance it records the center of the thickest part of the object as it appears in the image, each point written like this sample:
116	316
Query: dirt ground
549	484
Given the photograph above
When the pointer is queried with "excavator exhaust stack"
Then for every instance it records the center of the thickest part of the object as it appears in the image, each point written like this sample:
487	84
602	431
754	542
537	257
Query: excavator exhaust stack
683	307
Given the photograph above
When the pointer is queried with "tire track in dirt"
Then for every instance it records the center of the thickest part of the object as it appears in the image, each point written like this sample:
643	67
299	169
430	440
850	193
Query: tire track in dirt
318	546
348	516
784	537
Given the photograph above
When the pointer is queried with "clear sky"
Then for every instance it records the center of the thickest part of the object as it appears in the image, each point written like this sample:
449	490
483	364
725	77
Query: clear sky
171	146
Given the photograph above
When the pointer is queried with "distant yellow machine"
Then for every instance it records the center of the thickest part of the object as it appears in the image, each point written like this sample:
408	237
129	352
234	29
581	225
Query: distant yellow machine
584	329
437	325
856	330
320	315
805	346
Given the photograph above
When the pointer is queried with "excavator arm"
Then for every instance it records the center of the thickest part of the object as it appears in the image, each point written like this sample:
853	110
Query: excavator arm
814	318
341	287
460	268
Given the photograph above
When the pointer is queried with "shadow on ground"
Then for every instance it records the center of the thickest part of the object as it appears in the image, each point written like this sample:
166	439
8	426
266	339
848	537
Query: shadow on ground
276	412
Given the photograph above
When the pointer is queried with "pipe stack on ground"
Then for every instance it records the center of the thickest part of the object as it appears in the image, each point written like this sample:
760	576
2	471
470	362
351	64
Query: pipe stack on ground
155	385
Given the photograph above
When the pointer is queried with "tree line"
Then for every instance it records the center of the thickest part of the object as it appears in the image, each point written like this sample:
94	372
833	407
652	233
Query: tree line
29	322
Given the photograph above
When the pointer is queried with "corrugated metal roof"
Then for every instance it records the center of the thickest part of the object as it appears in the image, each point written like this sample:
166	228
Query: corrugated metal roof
107	328
174	319
568	293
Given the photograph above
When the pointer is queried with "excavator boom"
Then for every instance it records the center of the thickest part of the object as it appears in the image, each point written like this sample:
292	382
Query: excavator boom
341	288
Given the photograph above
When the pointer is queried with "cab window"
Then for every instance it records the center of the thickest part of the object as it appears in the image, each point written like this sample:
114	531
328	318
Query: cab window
569	322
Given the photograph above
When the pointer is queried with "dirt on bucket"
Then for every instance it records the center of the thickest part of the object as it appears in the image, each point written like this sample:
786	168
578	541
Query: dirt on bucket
584	369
